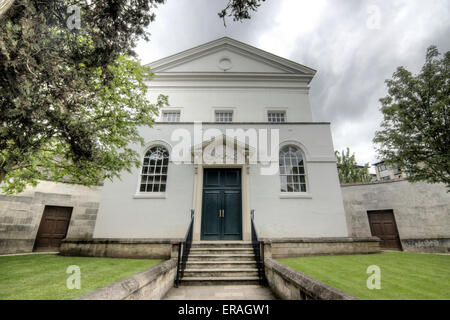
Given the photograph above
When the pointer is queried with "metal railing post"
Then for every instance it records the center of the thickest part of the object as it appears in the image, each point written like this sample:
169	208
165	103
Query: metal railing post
183	251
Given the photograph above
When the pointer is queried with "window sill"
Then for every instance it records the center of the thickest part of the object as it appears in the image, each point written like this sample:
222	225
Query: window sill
295	195
150	195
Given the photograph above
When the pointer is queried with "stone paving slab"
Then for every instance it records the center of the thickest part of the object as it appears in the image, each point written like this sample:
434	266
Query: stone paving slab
230	292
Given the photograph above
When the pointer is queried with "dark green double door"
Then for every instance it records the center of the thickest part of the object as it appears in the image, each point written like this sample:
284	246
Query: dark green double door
222	205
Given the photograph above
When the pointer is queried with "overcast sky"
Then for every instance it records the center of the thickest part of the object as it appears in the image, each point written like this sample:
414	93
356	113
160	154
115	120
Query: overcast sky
354	44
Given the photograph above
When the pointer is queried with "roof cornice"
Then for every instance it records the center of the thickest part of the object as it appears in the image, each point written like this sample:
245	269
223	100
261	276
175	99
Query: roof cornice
230	76
233	45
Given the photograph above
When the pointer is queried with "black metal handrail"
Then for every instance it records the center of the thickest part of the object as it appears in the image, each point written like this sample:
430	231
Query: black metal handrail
258	249
184	248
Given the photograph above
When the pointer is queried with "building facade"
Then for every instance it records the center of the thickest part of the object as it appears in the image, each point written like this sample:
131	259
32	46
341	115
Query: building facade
237	137
385	172
237	141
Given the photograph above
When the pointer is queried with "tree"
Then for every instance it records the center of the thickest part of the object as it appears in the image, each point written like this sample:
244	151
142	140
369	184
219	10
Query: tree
71	101
348	169
239	9
72	98
415	131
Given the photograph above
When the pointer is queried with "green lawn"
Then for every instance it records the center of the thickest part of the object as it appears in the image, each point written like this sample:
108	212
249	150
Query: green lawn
404	276
32	277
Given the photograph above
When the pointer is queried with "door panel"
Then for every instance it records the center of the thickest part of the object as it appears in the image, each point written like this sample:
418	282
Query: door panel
232	215
53	228
222	193
211	179
212	206
232	179
383	226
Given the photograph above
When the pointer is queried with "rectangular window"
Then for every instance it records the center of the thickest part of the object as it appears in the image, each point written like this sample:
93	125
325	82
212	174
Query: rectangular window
224	116
276	116
171	116
382	168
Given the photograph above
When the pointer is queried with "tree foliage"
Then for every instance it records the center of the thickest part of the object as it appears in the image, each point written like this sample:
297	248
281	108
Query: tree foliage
415	131
348	169
71	101
239	9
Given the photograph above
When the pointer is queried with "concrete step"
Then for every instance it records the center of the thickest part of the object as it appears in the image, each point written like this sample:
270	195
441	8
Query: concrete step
222	273
220	257
222	250
221	264
217	281
222	244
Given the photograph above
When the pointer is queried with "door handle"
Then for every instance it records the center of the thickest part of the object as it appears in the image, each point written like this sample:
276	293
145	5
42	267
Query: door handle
223	213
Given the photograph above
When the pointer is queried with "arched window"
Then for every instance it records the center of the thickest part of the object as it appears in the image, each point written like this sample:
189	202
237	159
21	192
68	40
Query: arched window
292	170
154	170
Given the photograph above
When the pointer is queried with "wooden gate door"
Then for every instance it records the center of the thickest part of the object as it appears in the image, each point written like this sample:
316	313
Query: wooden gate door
383	226
53	228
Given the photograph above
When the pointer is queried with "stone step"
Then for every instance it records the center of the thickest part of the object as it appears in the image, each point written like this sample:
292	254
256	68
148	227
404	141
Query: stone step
215	281
221	264
222	273
222	244
222	250
220	257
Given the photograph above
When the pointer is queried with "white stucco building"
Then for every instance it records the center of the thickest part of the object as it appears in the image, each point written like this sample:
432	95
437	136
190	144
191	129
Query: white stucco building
226	96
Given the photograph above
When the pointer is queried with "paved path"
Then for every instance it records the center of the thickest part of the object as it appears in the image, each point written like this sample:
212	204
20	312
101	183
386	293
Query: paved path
231	292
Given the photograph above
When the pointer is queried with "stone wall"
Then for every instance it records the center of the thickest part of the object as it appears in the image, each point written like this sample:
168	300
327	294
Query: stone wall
20	215
301	247
421	210
289	284
121	248
151	284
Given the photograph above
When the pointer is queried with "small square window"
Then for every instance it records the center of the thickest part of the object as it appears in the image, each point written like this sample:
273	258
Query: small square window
276	116
224	116
171	116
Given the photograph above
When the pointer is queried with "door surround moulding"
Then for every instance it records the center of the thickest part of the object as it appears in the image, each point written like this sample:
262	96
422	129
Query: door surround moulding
245	194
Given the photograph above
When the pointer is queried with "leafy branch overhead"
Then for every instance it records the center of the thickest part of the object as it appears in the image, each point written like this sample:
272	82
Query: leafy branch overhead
415	132
239	9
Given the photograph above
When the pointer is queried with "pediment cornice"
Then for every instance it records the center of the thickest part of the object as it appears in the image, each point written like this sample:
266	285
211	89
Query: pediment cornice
287	67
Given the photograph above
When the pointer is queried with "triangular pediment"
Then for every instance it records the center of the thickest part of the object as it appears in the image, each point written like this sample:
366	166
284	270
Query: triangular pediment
227	55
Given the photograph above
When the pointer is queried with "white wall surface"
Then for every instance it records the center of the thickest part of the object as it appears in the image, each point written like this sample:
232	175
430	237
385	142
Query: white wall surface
237	63
249	105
